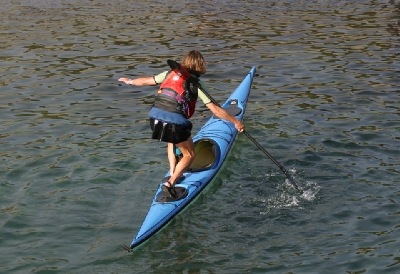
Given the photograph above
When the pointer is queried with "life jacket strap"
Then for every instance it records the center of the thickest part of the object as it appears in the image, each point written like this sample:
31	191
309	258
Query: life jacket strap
169	100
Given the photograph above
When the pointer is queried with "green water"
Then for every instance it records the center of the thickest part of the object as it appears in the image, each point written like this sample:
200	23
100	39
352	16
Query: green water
78	170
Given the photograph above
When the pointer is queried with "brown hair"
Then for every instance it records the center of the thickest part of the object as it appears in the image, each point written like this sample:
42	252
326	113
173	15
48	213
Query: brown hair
194	61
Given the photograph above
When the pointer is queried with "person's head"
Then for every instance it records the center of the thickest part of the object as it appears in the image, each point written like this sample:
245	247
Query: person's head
194	62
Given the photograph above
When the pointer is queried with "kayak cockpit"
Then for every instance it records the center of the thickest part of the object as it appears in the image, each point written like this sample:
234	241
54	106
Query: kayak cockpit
207	153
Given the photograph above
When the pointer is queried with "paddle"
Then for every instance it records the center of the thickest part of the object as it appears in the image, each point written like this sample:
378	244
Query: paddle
292	181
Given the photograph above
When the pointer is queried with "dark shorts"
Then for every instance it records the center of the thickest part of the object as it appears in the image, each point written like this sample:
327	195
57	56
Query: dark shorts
169	133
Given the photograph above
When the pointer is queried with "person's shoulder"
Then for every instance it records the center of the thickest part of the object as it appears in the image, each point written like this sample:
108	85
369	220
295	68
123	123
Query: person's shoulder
203	96
159	78
164	73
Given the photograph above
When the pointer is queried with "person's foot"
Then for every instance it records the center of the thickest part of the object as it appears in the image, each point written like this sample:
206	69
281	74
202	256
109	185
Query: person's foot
180	179
168	187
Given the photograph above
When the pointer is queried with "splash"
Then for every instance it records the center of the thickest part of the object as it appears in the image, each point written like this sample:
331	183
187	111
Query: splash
279	201
310	189
288	197
291	201
309	195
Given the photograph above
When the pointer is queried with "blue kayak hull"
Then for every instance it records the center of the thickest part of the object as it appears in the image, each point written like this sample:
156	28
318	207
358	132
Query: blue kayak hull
212	145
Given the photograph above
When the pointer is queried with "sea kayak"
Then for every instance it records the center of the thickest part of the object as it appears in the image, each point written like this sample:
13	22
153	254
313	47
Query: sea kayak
212	145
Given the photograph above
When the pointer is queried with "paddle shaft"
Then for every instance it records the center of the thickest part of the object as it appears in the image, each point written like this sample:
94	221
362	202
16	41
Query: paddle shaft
292	181
274	161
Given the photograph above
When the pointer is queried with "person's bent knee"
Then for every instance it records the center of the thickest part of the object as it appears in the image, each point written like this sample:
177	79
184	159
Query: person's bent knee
190	154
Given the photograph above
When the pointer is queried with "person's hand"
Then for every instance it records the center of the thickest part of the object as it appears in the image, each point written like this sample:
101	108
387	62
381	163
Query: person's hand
239	126
126	80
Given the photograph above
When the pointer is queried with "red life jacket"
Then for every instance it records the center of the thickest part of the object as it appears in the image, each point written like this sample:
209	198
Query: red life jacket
178	92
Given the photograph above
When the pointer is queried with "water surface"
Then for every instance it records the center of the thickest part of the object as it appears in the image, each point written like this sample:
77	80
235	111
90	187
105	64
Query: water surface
78	170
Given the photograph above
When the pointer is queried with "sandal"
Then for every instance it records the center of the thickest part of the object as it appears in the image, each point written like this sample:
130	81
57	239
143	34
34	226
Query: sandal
168	187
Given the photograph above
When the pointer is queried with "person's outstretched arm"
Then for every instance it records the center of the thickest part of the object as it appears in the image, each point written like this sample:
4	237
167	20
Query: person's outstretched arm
142	81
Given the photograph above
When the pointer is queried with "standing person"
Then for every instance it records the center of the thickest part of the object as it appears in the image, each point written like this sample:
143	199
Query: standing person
174	104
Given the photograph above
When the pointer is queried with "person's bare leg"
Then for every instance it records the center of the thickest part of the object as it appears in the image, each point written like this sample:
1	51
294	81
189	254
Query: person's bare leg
187	150
171	158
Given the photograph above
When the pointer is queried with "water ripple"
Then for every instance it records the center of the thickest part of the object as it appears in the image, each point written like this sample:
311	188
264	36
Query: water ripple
78	170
